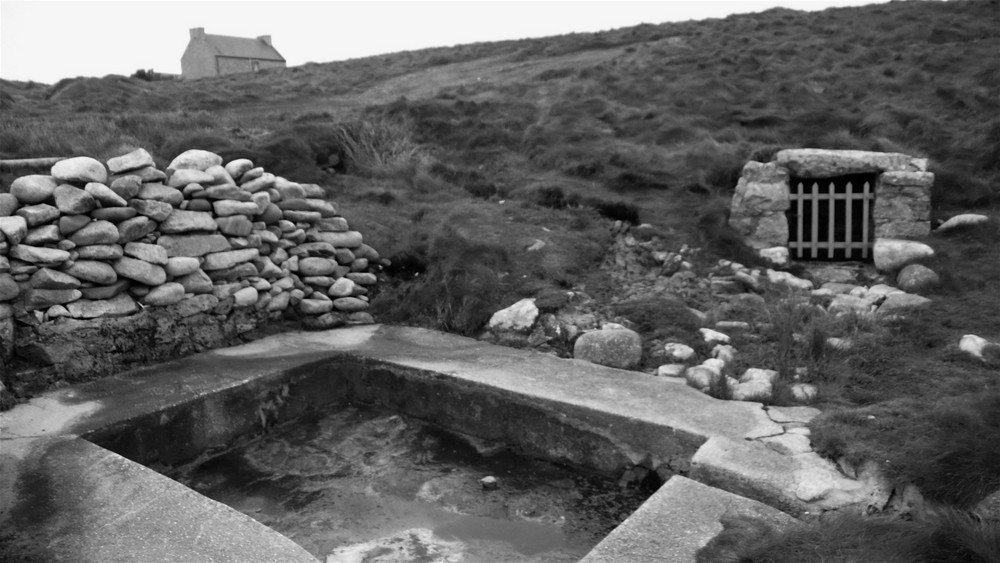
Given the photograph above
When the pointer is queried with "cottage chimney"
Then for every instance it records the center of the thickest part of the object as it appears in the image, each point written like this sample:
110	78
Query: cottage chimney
265	39
197	32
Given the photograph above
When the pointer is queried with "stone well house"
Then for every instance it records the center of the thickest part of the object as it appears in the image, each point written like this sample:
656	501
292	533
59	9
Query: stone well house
215	55
832	204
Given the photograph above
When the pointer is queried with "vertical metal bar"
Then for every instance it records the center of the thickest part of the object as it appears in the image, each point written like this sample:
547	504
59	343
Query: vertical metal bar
830	223
864	218
799	192
814	243
848	211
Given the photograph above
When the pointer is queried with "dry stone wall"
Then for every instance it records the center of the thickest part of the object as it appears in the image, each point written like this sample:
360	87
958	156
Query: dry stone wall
102	265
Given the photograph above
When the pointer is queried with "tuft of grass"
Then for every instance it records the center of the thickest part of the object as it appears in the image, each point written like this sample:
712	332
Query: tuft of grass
947	536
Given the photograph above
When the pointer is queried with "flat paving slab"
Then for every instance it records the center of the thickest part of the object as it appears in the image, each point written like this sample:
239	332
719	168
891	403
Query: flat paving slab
681	518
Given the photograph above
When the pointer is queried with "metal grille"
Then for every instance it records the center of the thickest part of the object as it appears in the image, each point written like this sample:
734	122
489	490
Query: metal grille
831	218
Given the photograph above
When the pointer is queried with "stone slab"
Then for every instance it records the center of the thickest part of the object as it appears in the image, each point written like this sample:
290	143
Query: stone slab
75	501
677	521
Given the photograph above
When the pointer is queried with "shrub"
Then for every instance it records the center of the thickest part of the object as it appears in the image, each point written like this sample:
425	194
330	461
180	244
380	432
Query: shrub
377	144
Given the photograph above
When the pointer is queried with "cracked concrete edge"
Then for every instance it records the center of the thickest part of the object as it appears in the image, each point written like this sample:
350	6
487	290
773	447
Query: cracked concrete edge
678	521
801	485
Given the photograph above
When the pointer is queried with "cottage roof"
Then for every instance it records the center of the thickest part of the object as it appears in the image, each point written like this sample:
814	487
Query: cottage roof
242	47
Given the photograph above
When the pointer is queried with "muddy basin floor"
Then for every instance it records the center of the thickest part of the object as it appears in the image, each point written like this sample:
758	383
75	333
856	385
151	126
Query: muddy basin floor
361	484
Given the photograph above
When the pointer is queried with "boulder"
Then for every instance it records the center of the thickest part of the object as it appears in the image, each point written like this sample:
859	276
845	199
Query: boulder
96	232
617	348
9	290
99	292
227	207
138	158
333	225
39	214
519	317
677	351
712	337
152	253
238	167
181	221
777	255
804	392
127	187
343	287
228	259
32	189
119	305
44	298
314	306
196	282
135	228
227	191
100	252
346	239
47	278
245	297
14	228
178	266
892	254
159	192
193	244
916	278
8	204
163	295
113	214
350	304
81	169
195	159
38	254
234	225
105	195
219	175
140	271
156	210
93	271
788	279
702	377
181	178
901	302
753	390
970	344
73	201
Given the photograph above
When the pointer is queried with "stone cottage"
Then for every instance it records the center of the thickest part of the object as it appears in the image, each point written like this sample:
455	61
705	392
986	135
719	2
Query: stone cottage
832	204
215	55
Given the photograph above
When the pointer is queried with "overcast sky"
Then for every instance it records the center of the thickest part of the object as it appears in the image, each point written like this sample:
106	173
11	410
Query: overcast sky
45	41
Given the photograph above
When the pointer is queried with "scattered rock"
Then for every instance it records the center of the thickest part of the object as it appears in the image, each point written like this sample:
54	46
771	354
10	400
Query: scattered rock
678	351
963	220
777	255
489	483
901	302
915	278
712	337
892	254
970	344
617	348
804	392
519	317
788	279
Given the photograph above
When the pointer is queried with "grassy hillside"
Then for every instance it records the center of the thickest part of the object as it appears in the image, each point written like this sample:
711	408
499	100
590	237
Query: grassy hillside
455	161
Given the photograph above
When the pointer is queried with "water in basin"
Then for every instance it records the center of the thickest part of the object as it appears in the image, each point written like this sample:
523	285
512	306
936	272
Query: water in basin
366	485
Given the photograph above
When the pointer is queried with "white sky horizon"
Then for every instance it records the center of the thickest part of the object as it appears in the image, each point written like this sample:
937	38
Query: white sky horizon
46	41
